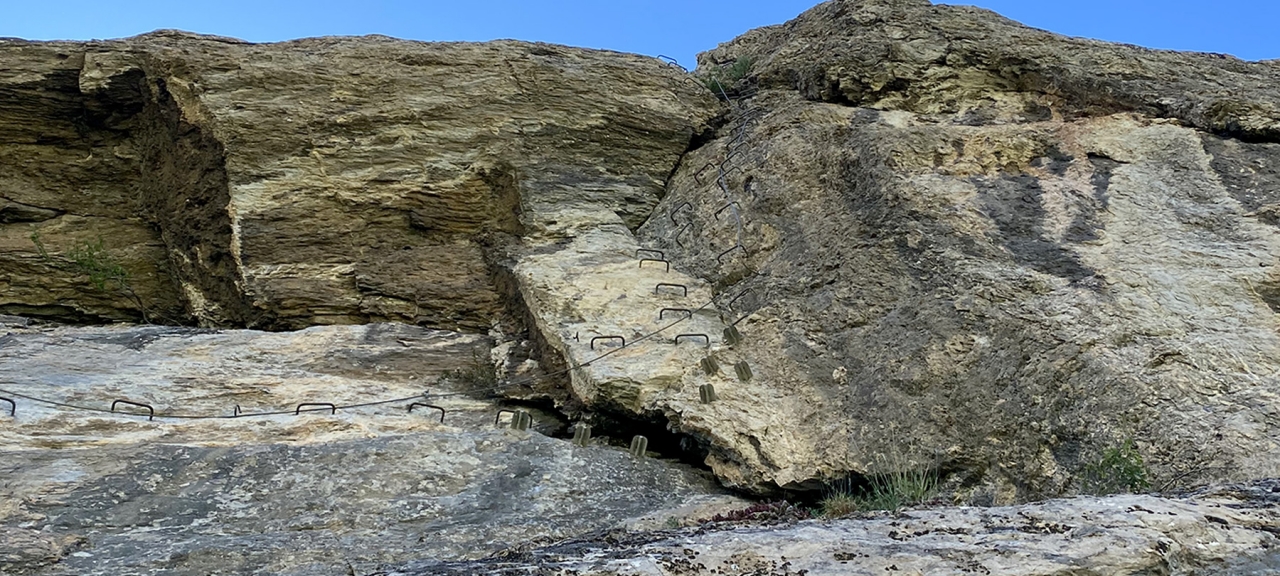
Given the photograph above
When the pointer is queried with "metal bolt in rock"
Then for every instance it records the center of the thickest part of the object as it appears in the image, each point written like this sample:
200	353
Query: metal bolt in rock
581	435
639	445
710	366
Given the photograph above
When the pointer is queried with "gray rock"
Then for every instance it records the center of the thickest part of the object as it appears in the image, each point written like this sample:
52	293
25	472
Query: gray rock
1217	534
84	492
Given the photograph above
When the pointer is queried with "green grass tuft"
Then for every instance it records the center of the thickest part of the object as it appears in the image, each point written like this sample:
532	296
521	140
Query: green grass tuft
904	486
1119	469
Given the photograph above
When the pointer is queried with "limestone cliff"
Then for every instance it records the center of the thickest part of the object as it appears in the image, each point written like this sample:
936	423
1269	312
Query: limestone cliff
974	245
322	181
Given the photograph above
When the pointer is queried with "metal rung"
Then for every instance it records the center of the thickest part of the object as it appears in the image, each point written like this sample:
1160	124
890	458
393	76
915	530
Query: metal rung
333	409
151	412
424	405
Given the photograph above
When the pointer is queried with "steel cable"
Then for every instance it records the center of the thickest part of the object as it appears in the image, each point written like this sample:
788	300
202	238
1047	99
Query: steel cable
510	384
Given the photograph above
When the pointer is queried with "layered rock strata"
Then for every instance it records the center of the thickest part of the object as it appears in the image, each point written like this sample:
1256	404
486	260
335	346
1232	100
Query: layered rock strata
321	181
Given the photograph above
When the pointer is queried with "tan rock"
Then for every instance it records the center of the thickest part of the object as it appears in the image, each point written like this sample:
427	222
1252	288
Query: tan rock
1017	255
335	180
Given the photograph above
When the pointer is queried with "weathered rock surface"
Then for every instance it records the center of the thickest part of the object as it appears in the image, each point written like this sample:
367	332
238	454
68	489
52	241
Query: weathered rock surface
948	240
99	493
982	247
320	181
1228	532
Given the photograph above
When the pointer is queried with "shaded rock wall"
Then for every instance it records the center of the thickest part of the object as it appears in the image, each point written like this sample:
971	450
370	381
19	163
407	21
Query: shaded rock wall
320	181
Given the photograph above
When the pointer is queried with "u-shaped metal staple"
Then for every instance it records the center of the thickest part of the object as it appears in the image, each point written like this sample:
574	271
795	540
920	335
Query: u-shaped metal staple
13	406
677	210
643	260
151	411
683	289
735	298
693	336
730	169
697	176
720	258
619	338
682	231
333	409
425	405
726	207
501	411
670	60
662	314
235	410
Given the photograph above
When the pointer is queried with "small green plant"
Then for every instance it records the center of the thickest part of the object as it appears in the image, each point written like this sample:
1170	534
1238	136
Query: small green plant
478	376
722	80
92	259
1119	469
903	486
103	269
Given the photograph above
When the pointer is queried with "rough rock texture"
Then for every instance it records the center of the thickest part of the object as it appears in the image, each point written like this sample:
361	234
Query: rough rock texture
320	181
948	240
1227	532
982	247
92	493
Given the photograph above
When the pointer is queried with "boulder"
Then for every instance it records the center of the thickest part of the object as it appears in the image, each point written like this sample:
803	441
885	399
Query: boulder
976	247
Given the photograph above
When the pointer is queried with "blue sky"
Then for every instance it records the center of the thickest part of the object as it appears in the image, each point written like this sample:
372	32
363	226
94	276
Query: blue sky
1245	28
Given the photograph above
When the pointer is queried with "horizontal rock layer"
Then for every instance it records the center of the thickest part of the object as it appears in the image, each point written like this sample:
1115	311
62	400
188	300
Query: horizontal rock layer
316	493
1230	531
321	181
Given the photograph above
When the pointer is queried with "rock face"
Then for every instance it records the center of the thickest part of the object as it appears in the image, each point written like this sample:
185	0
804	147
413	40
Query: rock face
977	246
1226	532
323	181
947	240
316	493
